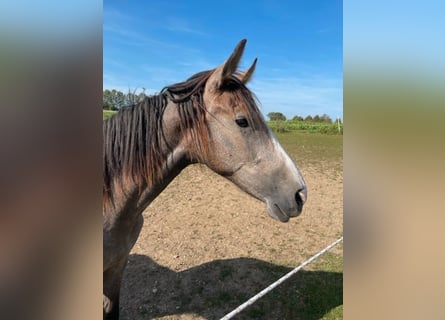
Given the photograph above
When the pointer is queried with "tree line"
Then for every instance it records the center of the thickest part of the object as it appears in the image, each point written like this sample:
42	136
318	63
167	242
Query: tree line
324	118
115	99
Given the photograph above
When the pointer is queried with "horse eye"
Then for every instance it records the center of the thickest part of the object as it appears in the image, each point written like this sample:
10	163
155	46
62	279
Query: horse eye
242	122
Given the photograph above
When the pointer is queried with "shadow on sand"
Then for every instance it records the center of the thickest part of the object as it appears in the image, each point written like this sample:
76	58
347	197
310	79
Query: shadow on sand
213	289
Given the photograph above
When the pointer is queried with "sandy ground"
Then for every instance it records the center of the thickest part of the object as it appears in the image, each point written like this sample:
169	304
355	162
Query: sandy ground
206	246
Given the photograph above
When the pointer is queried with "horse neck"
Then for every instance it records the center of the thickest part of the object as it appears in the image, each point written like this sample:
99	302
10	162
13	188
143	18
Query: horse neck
176	161
172	150
132	199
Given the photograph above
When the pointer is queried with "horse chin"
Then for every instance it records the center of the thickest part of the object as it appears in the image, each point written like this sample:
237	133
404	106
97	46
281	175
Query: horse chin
276	213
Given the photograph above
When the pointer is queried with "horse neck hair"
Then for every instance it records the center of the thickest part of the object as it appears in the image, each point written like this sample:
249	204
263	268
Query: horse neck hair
134	140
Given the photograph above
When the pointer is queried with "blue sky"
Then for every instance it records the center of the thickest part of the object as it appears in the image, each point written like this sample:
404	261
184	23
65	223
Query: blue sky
151	44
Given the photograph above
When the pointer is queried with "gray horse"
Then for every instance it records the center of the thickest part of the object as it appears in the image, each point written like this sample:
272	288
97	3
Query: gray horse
211	118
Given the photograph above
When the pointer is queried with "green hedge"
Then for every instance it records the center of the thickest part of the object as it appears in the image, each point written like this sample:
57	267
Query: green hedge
287	126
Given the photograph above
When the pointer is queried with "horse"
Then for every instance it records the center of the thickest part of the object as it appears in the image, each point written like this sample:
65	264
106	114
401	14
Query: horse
212	118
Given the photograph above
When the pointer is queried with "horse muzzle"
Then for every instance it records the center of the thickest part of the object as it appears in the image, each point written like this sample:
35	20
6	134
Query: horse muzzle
283	210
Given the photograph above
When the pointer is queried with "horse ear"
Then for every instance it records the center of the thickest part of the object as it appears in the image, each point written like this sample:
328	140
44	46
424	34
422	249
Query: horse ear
245	76
227	69
231	64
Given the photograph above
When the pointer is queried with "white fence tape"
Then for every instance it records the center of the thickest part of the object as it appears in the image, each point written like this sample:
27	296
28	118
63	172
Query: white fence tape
279	281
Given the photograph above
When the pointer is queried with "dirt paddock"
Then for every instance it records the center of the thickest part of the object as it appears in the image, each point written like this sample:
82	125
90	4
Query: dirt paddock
206	247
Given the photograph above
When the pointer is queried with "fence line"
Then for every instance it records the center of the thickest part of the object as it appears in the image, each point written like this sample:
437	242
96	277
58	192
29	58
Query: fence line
279	281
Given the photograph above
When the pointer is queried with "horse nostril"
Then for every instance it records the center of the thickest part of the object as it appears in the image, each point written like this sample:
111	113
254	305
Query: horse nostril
301	197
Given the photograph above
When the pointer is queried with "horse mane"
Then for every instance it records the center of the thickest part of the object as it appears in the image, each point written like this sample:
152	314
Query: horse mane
133	137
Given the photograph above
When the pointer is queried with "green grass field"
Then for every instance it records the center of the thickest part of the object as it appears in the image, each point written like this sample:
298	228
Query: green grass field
107	113
313	148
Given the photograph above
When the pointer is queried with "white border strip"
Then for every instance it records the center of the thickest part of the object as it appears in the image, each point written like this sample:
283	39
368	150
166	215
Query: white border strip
279	281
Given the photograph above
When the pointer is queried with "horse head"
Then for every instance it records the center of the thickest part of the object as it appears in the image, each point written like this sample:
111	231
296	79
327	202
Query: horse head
242	147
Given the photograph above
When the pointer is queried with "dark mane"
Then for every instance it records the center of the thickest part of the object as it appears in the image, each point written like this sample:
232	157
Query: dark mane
133	138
